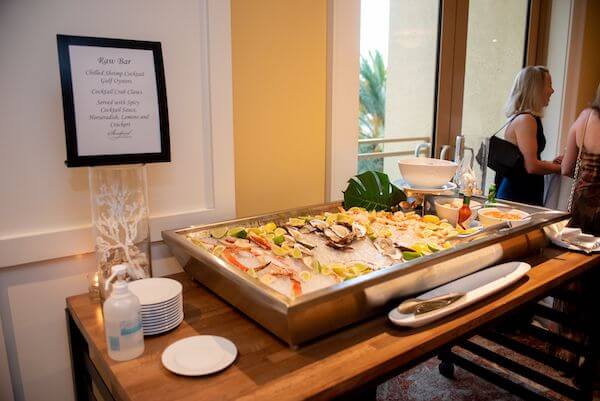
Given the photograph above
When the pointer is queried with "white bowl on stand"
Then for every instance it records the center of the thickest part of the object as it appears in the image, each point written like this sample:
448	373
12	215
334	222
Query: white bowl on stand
427	172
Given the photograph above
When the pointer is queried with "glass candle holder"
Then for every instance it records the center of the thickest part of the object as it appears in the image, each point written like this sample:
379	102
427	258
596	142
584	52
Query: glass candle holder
120	220
93	286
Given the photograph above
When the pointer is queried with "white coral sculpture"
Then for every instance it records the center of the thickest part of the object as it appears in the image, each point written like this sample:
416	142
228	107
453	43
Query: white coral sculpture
119	215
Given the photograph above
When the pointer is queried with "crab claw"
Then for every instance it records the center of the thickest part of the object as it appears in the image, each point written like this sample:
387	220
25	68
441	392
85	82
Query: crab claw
260	241
229	255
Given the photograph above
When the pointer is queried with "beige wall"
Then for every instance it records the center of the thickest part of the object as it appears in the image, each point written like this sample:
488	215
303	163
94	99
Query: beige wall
589	76
279	103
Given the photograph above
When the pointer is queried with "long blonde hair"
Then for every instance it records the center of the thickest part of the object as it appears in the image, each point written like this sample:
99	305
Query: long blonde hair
526	92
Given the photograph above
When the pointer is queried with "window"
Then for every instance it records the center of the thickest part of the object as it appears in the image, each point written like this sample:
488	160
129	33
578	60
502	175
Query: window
495	54
398	71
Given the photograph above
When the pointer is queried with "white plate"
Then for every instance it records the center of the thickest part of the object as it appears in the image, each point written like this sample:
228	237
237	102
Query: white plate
157	290
449	186
162	322
199	355
166	310
162	317
163	305
554	231
157	330
475	286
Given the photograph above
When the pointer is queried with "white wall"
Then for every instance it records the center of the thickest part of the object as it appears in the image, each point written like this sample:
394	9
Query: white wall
45	235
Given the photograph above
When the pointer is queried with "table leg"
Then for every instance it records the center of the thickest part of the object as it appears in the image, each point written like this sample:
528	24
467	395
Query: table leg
82	383
446	367
366	393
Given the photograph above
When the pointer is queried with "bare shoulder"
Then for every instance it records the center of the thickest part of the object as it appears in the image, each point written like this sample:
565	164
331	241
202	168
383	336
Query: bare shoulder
525	123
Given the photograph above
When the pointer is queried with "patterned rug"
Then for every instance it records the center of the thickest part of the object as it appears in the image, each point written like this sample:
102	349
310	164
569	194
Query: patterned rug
425	383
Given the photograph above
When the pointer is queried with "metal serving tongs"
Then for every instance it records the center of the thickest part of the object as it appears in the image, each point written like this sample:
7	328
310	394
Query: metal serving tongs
506	225
419	306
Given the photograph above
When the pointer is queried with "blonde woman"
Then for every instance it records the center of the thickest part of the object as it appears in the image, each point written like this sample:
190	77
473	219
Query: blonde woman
584	134
529	96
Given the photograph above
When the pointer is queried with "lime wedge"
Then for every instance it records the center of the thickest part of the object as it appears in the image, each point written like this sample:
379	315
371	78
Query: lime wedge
434	247
407	255
278	240
238	232
218	232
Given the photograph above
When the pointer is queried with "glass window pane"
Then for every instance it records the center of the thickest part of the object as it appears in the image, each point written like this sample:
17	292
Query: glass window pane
495	52
397	79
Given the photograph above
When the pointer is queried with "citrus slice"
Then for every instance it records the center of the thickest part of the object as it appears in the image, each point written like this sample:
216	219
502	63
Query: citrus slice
238	232
269	227
218	232
305	275
430	218
407	255
296	253
434	247
217	250
326	270
279	231
296	222
279	251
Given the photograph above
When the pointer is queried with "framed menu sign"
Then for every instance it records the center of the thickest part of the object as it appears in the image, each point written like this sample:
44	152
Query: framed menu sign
114	101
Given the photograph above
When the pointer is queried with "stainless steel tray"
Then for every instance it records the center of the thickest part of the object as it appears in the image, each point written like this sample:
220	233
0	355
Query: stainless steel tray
311	315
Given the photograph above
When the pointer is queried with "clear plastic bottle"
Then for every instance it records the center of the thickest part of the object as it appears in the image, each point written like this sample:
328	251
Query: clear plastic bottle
122	319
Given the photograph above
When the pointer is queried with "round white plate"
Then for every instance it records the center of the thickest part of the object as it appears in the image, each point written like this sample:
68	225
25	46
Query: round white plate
162	317
162	322
163	305
199	355
157	290
449	186
158	330
162	312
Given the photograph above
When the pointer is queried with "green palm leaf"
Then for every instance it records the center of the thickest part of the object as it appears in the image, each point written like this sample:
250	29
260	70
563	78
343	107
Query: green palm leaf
372	190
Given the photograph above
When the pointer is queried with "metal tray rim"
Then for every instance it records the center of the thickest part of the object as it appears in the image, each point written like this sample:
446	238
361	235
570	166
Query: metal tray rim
285	303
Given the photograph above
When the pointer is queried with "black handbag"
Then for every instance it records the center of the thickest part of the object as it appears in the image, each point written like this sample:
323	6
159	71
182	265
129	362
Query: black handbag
504	157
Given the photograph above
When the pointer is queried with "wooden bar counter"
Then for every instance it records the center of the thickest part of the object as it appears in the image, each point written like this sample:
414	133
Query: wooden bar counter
347	364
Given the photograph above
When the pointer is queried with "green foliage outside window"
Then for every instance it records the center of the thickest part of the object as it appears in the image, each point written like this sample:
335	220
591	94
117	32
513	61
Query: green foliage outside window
372	108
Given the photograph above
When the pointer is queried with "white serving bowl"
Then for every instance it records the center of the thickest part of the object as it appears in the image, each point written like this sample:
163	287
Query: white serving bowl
487	220
451	213
427	172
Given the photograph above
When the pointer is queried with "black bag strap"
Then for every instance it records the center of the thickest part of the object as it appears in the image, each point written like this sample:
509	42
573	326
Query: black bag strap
506	124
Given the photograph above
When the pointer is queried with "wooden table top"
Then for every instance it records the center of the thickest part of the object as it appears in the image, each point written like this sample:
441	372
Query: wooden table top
267	369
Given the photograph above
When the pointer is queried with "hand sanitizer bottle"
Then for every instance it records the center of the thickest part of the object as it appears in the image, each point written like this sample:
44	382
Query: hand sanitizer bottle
122	319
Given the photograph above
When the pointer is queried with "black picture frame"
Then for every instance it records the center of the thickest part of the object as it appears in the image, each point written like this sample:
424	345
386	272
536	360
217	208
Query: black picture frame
73	158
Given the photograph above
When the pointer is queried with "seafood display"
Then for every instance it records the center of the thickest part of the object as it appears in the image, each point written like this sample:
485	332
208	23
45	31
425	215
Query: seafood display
348	264
307	253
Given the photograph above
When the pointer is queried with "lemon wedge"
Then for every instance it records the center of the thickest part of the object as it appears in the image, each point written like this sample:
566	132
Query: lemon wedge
305	275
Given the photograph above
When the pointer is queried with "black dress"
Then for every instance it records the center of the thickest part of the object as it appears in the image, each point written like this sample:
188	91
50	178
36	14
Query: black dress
522	186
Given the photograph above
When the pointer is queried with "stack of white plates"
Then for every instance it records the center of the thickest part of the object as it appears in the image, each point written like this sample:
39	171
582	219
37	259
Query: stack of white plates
162	303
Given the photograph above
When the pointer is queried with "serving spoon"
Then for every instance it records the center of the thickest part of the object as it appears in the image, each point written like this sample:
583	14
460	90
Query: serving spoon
418	306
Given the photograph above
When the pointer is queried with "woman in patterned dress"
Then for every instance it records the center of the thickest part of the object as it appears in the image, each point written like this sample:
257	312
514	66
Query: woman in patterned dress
585	210
585	134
